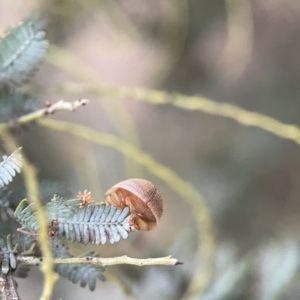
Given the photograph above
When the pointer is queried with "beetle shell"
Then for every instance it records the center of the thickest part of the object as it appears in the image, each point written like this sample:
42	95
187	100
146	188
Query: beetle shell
143	199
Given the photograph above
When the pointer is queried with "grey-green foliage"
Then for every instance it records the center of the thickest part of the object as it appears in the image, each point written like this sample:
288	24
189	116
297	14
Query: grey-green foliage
25	215
86	274
25	241
16	105
5	209
69	219
9	167
49	187
96	224
22	48
7	254
93	223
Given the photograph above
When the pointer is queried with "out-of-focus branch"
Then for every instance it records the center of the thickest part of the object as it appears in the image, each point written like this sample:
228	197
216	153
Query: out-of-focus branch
49	109
120	260
238	49
206	246
31	183
116	112
193	103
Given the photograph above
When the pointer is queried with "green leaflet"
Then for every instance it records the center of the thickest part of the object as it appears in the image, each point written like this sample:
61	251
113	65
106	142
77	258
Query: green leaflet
7	254
25	215
86	274
94	223
9	167
22	48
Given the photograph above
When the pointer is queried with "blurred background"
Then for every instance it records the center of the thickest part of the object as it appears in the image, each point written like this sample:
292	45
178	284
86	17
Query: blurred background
241	52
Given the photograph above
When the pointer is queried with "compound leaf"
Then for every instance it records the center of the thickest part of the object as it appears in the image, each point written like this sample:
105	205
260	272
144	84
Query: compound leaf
9	167
22	48
86	274
96	224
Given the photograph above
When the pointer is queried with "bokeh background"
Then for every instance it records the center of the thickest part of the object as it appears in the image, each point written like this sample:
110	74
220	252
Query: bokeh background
245	53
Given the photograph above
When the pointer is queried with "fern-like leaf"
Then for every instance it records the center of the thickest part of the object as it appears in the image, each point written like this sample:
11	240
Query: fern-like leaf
96	224
9	167
25	214
86	274
60	208
21	49
27	242
55	209
7	254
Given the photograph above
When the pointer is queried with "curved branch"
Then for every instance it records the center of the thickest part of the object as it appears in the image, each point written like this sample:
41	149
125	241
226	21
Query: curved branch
192	103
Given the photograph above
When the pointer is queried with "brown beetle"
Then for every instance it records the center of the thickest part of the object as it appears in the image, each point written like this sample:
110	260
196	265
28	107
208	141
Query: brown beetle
142	198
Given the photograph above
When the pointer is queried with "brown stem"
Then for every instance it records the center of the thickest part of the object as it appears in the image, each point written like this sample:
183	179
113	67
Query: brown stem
8	287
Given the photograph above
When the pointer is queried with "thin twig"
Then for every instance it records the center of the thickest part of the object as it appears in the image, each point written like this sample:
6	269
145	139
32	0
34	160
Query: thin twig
168	261
47	110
